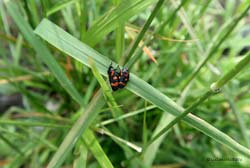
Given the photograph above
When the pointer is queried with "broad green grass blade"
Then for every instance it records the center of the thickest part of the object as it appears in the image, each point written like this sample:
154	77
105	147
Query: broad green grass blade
81	52
110	20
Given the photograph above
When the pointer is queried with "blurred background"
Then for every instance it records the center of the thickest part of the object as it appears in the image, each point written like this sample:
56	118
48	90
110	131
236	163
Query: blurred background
34	106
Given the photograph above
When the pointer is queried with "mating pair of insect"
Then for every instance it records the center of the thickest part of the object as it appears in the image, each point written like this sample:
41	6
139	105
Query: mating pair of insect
118	78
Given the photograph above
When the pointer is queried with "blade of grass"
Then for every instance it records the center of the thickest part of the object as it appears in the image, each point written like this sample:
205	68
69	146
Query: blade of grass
179	117
238	116
187	24
7	29
216	43
116	138
81	52
90	90
119	36
11	145
77	130
200	50
110	20
143	31
69	19
145	127
139	52
45	6
12	39
93	145
34	139
32	124
18	49
82	159
159	133
234	71
59	6
39	138
149	154
83	18
33	11
119	40
214	89
103	123
116	111
18	160
42	51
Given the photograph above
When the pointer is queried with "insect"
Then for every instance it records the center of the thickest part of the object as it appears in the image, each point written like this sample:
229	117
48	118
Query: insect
118	78
113	77
124	77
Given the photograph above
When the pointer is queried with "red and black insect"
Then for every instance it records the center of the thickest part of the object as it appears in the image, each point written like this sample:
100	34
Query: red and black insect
113	78
118	78
124	77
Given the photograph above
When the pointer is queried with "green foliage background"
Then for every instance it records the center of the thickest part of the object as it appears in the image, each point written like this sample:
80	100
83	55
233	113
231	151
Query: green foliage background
190	109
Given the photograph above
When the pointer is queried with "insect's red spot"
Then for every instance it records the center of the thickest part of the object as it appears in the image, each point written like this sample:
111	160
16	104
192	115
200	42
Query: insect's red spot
115	84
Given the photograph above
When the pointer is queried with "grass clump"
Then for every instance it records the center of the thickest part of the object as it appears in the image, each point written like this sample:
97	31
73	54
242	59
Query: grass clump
57	110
